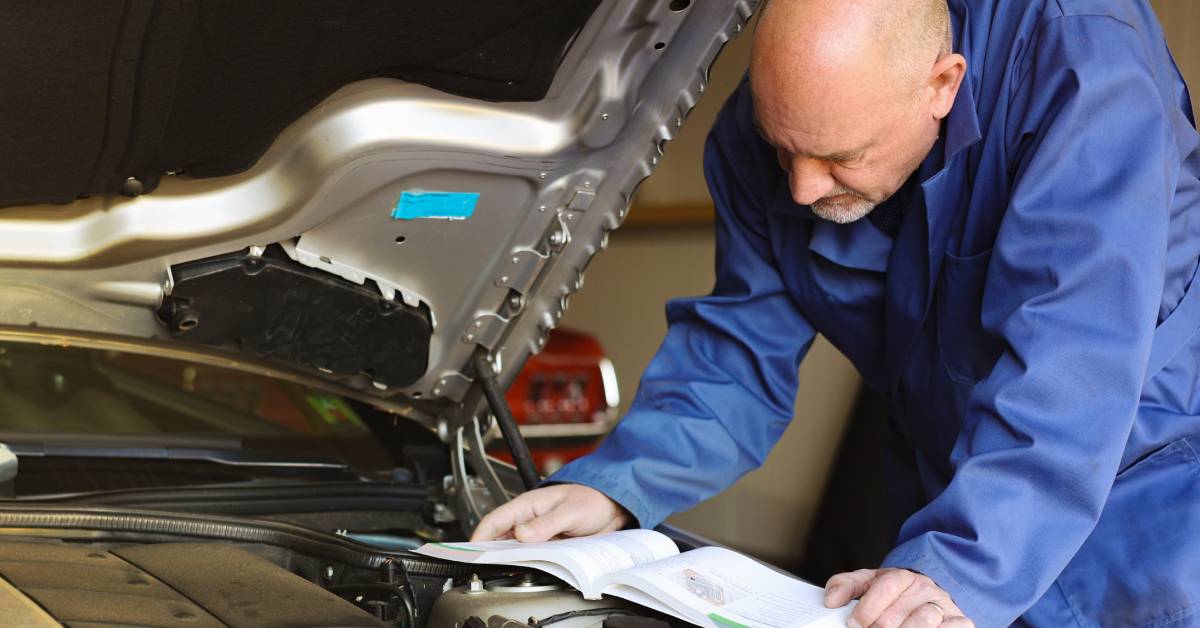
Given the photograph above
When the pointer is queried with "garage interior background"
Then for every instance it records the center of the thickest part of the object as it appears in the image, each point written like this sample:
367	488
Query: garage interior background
665	250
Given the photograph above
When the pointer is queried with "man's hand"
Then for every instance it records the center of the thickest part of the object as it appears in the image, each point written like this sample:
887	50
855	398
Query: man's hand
559	510
893	598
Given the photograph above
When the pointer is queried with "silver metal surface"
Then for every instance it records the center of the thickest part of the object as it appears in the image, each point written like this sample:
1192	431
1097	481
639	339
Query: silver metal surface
477	458
554	177
470	496
457	604
558	430
8	464
475	586
526	583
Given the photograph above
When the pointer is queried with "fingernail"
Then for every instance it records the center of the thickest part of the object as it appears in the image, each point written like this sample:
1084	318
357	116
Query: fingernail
830	593
853	623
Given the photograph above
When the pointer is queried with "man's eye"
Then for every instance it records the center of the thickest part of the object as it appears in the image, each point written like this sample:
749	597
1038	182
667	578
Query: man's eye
851	162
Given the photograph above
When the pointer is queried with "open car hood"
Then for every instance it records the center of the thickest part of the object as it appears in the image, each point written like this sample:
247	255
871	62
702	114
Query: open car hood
412	210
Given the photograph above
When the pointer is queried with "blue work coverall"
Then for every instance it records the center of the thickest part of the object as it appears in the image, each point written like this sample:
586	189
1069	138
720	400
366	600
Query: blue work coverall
1034	324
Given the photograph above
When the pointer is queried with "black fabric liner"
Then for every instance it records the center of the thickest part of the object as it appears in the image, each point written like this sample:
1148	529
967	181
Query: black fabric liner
93	92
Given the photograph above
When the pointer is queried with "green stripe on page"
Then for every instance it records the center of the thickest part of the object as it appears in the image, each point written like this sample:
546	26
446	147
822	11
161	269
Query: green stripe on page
459	549
721	621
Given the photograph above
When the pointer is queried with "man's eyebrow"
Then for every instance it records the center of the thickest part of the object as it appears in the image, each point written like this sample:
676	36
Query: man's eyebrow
840	156
844	155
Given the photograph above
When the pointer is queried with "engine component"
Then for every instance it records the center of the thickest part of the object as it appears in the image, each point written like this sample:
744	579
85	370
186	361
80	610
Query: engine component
521	598
496	621
165	584
394	601
633	621
125	523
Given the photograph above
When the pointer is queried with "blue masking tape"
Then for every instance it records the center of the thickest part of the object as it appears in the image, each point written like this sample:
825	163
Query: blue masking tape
445	205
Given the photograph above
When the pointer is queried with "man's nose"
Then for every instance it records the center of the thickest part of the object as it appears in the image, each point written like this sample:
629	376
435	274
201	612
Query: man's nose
810	180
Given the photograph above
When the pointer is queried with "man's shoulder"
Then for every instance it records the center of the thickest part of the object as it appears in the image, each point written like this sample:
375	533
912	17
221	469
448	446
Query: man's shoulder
1010	25
1137	15
1121	10
1124	10
1063	38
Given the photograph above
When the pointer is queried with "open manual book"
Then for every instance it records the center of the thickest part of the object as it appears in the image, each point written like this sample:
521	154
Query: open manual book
709	586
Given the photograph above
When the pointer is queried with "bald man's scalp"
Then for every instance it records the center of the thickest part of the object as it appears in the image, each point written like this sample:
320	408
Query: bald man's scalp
918	34
911	34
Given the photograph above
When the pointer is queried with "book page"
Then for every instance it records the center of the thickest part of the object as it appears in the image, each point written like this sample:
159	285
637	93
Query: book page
586	558
721	588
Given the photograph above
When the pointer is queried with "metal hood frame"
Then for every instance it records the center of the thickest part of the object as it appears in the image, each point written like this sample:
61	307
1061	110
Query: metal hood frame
554	177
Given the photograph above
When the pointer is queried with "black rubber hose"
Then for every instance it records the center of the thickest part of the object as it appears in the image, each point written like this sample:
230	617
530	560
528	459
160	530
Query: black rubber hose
508	425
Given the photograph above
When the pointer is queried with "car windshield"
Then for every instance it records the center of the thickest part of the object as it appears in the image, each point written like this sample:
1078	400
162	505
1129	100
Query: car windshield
56	394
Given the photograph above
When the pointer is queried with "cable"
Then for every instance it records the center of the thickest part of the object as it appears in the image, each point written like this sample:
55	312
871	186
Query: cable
126	523
508	426
590	612
414	609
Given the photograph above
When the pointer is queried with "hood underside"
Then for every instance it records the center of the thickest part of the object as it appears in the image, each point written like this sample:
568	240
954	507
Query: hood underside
370	209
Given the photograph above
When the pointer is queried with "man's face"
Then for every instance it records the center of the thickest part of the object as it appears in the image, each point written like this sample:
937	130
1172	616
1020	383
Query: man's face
846	147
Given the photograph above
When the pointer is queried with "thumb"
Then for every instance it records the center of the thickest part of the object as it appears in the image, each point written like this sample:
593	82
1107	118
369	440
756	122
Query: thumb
844	587
547	526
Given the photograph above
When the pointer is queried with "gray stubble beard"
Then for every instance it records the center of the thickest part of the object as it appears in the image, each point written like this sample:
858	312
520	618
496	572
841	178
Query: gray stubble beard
843	213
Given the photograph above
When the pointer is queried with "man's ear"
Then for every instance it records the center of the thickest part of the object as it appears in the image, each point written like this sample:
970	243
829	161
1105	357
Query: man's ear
944	81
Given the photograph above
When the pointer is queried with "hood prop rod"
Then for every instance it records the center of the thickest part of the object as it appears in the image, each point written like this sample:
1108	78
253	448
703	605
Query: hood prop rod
508	425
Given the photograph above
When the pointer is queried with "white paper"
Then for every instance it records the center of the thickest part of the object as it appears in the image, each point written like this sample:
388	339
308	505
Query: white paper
718	587
587	558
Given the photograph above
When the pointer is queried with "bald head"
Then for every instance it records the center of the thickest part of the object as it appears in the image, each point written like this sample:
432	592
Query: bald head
896	41
852	93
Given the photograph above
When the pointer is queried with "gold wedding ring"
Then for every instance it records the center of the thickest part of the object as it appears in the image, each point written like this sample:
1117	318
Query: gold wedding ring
939	608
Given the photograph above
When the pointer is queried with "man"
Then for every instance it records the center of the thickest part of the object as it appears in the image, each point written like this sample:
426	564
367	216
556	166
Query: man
1023	291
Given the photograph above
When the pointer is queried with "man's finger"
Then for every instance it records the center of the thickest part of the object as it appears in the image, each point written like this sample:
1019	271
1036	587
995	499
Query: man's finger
549	525
926	615
884	590
544	513
613	526
923	601
503	519
495	524
844	587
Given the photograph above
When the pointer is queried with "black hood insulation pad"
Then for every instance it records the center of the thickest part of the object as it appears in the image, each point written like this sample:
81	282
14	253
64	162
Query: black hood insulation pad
96	92
276	308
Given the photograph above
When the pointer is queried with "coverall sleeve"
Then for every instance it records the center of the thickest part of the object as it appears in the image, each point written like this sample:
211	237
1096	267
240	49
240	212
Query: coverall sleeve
1073	291
721	389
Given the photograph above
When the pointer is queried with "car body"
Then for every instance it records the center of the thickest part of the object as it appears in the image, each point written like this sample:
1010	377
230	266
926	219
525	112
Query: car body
251	254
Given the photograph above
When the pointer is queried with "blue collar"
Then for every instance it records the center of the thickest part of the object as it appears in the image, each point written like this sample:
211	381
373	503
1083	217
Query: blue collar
961	127
960	131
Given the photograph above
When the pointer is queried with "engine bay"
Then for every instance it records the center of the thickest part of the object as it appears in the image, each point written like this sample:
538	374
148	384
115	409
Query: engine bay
91	567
